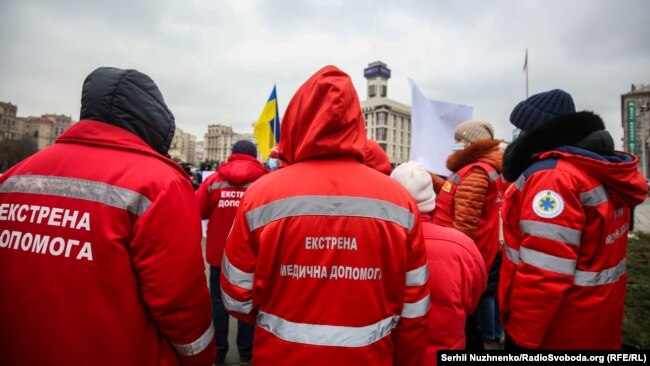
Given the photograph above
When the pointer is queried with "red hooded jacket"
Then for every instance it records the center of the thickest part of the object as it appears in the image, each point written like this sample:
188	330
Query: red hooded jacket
100	236
326	255
563	278
457	279
219	196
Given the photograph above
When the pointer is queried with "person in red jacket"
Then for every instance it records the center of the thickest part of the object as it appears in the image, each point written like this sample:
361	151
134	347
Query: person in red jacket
100	240
566	218
376	158
219	196
469	201
456	269
326	255
275	160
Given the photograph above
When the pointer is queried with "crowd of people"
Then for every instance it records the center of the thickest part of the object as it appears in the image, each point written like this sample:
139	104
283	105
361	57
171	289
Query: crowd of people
326	256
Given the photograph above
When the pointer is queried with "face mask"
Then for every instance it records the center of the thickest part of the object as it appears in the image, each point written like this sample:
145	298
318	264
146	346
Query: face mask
273	163
458	146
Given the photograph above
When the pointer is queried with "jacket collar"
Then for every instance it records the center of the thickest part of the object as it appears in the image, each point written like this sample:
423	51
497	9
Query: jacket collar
485	150
565	130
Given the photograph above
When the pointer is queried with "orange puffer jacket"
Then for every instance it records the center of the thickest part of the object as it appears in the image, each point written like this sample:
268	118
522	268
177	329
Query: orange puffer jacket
469	198
471	191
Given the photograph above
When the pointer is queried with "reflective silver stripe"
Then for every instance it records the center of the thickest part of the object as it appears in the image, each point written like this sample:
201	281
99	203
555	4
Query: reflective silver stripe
416	309
454	178
238	306
329	206
418	276
83	189
512	254
547	261
609	275
235	275
551	231
519	183
198	345
326	335
594	197
223	184
494	175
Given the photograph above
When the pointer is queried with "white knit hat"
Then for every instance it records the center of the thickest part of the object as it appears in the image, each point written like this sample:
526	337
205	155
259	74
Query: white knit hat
418	182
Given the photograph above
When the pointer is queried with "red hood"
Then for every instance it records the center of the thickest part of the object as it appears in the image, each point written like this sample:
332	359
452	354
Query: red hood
241	169
377	158
623	180
323	118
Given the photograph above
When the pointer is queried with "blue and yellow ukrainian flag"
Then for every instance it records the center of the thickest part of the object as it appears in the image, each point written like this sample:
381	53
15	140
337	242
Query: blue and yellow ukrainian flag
267	128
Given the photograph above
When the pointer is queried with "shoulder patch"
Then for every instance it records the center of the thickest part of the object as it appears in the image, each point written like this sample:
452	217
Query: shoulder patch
446	187
548	204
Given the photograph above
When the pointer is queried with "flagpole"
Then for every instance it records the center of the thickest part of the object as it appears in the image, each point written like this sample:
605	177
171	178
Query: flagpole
276	120
526	73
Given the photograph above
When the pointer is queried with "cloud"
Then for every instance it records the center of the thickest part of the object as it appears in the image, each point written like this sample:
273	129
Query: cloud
216	62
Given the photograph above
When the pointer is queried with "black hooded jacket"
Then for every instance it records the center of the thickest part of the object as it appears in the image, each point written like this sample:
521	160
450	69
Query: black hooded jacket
131	100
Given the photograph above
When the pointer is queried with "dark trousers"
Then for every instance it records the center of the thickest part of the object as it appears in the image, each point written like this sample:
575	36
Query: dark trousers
221	318
473	337
512	346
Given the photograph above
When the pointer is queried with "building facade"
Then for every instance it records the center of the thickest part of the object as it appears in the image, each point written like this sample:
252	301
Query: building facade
183	147
218	142
46	128
199	156
388	122
11	127
43	129
635	116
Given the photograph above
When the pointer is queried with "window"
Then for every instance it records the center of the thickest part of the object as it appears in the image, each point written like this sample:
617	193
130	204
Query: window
372	90
383	90
381	118
381	135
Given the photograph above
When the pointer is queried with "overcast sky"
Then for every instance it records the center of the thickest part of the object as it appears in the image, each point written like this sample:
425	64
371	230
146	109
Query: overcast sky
217	61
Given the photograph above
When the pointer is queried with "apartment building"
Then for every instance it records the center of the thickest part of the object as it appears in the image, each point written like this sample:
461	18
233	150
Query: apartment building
218	142
183	147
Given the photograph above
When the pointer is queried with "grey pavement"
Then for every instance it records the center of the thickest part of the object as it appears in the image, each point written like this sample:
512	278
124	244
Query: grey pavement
642	217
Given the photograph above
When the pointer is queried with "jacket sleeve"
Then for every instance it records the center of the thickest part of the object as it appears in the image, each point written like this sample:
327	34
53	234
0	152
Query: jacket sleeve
166	254
409	336
547	256
478	276
238	268
469	200
437	182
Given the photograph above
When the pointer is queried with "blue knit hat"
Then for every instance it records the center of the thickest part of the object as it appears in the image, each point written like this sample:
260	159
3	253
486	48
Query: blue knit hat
541	108
244	147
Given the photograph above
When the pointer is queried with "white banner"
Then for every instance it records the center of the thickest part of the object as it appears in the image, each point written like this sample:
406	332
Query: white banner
432	129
